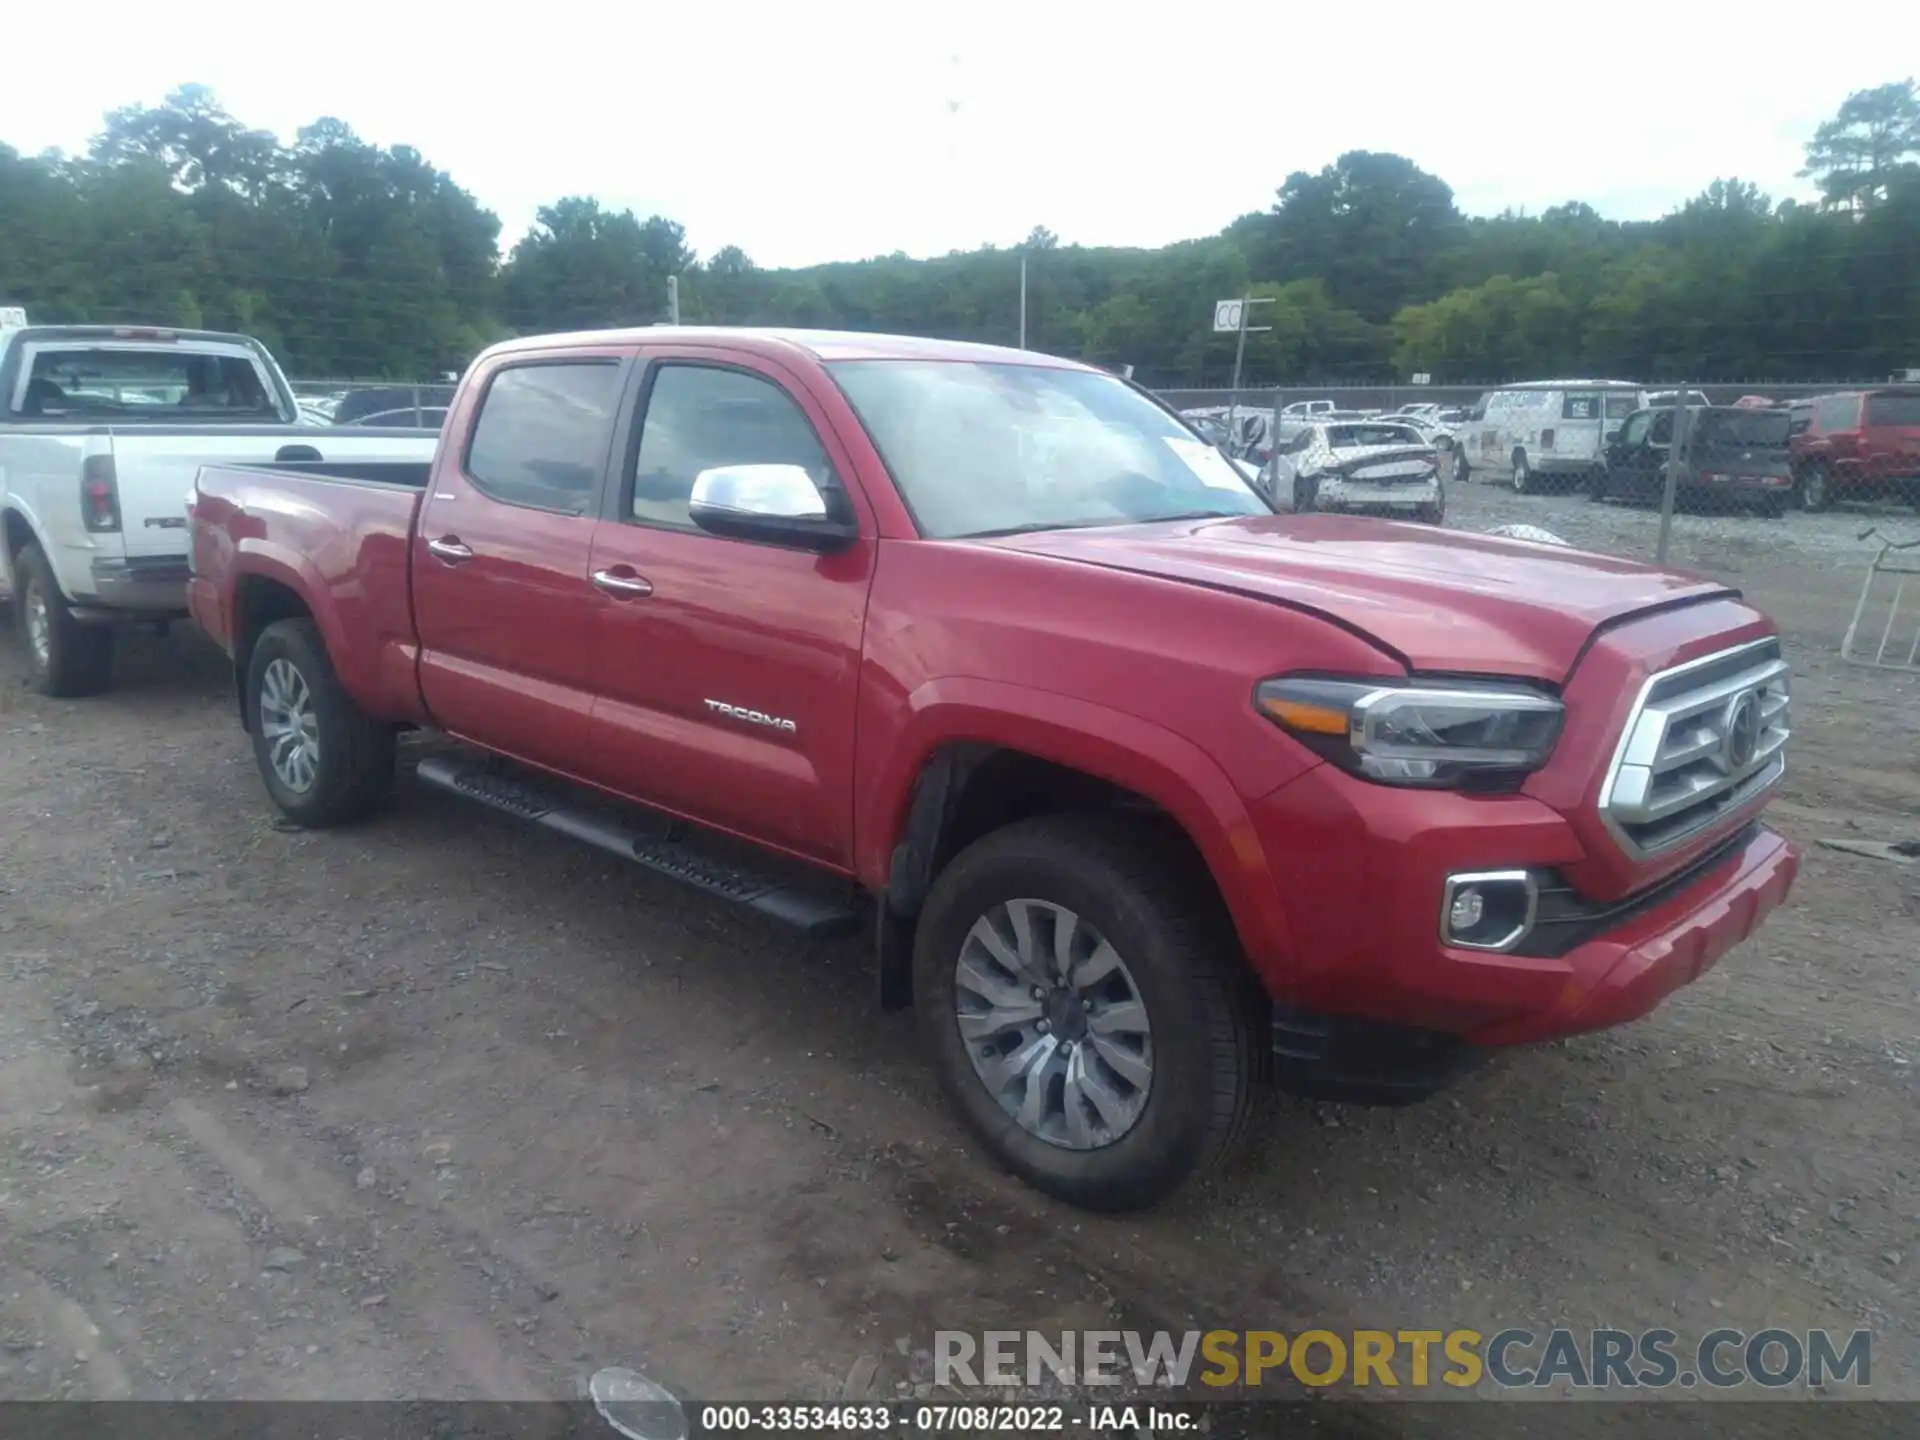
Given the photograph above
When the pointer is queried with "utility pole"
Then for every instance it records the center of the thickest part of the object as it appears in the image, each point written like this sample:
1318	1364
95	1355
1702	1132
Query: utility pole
1247	302
1676	458
673	299
1023	300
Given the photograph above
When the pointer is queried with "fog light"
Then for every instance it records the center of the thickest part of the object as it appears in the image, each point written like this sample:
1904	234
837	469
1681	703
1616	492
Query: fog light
1467	908
1488	910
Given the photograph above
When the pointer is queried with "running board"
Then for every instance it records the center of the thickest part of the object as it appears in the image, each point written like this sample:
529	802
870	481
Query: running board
814	909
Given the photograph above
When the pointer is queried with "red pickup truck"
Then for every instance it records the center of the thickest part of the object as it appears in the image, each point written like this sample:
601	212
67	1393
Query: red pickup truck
1145	792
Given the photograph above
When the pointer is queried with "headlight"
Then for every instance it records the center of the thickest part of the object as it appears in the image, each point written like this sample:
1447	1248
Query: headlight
1463	734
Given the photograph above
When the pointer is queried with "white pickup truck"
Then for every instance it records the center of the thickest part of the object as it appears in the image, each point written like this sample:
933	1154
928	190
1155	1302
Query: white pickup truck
102	430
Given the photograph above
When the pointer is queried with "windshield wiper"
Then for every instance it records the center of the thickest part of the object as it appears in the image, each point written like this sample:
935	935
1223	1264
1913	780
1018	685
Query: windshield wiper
1034	527
1194	515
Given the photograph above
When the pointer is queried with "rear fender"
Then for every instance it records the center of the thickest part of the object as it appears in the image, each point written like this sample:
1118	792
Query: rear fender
255	557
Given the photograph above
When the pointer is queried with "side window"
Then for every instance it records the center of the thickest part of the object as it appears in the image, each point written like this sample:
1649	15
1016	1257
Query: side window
1836	412
1580	407
1662	433
542	436
1635	430
699	417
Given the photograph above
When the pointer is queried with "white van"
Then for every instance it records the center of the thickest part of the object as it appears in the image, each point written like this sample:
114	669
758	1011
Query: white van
1544	431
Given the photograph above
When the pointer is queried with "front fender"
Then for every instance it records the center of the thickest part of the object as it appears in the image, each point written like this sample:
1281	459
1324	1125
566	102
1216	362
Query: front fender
1108	744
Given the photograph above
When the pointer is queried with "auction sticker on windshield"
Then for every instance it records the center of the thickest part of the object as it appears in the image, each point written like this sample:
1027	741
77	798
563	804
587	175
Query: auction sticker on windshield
1207	463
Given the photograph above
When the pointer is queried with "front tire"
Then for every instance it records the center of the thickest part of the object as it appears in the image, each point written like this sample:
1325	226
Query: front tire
65	659
1078	984
324	761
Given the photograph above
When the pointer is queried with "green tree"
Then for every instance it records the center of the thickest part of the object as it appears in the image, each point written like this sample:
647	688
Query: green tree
1856	156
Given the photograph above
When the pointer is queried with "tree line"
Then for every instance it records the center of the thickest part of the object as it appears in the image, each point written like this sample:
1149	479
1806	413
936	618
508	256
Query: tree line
352	259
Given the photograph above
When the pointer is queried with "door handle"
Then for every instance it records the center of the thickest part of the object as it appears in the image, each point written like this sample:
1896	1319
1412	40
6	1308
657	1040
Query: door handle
622	587
449	549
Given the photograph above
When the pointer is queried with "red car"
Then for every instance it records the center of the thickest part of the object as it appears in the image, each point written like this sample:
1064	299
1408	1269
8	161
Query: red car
1857	445
1142	791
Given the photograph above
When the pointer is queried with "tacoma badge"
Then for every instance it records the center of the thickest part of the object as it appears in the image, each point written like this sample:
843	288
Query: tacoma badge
752	717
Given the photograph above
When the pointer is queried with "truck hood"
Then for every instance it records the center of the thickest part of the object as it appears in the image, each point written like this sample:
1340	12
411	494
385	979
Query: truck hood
1439	600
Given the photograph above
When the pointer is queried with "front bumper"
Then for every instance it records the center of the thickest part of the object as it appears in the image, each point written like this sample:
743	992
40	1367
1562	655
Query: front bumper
149	583
1360	871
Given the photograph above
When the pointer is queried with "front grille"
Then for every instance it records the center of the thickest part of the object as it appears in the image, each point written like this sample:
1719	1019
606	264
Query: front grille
1703	740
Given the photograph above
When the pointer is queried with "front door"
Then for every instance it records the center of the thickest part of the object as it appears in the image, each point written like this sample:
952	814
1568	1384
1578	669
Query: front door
726	671
502	597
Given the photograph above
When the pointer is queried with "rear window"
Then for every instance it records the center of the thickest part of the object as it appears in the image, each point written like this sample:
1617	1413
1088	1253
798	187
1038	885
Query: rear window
1353	437
1894	410
542	436
1750	429
1621	406
172	385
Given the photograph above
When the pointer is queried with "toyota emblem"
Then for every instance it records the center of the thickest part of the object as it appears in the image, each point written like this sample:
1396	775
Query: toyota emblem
1743	730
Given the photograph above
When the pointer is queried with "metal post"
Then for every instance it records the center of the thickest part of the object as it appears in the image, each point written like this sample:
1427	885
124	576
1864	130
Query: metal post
1023	301
1247	302
1239	357
673	299
1676	454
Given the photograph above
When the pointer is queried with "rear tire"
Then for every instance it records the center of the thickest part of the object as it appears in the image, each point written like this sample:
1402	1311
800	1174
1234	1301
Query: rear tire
1816	489
324	761
1522	474
65	658
1306	494
1597	483
1462	472
1126	882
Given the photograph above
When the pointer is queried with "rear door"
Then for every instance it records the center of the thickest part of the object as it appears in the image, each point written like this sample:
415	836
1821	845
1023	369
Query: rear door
502	598
726	671
1890	436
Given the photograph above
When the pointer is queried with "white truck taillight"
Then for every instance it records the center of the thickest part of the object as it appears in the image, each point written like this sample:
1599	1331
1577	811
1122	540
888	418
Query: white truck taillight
99	494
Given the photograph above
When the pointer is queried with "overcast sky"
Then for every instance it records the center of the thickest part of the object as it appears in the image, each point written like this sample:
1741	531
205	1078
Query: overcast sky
821	130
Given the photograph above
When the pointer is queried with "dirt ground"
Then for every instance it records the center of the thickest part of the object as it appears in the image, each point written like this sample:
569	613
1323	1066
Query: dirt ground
438	1107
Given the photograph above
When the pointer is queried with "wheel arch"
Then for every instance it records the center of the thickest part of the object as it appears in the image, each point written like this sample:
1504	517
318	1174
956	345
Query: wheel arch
259	600
970	781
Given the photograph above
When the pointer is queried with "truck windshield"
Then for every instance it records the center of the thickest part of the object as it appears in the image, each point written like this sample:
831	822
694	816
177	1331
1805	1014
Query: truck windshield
169	384
992	449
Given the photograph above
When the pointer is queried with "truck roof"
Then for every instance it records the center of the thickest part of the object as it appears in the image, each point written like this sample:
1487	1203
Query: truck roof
771	342
164	333
1570	385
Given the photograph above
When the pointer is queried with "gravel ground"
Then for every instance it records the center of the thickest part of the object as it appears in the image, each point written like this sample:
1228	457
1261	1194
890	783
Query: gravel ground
437	1107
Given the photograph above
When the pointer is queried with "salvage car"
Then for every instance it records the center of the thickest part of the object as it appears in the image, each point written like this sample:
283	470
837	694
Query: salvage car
1143	792
1360	465
1731	458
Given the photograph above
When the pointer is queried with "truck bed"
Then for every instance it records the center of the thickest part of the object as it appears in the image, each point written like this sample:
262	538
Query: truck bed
345	528
404	474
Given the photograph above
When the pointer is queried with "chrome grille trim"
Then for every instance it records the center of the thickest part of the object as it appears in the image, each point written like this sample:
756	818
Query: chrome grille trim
1702	742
